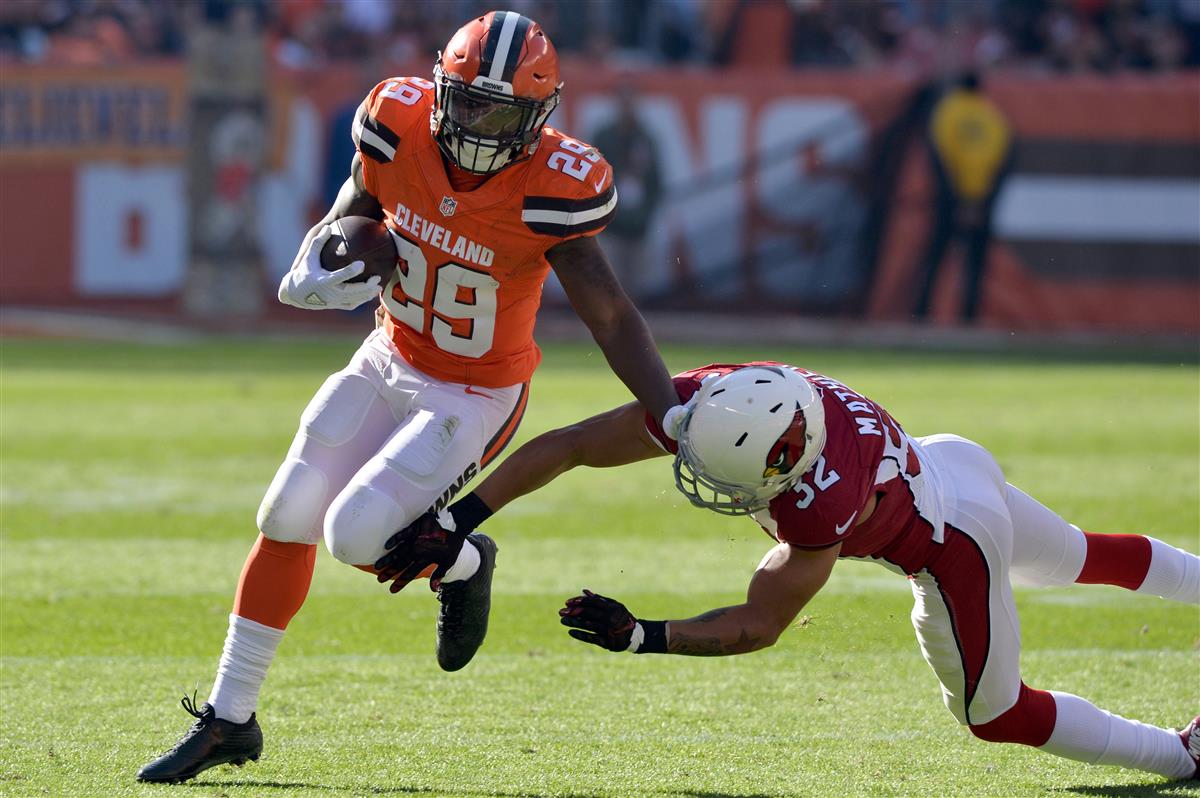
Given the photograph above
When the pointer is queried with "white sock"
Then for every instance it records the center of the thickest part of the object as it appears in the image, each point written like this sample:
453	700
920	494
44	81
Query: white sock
1084	732
1173	573
249	649
466	565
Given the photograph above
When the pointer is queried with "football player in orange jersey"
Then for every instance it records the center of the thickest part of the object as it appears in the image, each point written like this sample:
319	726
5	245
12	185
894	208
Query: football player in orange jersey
482	200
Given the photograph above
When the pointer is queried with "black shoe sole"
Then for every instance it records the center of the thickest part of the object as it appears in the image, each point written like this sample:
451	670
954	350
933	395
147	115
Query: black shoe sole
181	779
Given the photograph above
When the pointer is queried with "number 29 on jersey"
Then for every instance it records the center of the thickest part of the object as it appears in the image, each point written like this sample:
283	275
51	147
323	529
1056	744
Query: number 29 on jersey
457	306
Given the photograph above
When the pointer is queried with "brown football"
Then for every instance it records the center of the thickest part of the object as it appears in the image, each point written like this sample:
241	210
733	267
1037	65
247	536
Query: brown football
360	238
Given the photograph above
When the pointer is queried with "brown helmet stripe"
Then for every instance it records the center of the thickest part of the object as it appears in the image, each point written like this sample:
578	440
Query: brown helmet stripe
502	48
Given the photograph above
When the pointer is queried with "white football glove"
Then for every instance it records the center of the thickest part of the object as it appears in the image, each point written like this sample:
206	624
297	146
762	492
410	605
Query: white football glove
310	287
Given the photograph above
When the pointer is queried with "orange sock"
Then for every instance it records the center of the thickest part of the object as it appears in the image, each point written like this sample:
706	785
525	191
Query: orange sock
274	581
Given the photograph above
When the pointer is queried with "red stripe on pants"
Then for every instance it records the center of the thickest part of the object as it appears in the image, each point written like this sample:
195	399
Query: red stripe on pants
964	581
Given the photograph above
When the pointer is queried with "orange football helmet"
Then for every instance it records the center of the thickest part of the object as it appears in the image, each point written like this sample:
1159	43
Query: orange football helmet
497	82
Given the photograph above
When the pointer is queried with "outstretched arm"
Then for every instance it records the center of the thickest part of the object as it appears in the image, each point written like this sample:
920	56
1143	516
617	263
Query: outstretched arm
610	439
615	438
614	322
786	579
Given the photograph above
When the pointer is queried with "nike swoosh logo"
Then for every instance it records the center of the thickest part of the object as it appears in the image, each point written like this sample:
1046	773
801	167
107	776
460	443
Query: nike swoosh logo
599	184
841	529
476	393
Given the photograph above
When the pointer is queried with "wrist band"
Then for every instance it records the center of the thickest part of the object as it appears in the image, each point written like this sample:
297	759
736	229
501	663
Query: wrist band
469	512
636	638
654	640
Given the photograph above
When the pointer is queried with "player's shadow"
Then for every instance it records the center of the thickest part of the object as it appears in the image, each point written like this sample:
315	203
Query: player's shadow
710	794
1158	789
252	787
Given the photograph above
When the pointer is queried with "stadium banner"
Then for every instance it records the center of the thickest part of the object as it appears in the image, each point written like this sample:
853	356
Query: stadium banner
91	192
52	114
783	192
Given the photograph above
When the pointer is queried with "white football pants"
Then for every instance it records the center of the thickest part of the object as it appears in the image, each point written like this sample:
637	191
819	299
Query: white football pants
966	621
379	444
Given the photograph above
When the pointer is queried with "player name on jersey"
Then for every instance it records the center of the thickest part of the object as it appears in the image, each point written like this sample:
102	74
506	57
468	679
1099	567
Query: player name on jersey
432	233
863	413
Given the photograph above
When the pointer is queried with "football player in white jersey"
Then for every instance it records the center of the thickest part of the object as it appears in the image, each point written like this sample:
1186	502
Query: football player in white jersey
829	474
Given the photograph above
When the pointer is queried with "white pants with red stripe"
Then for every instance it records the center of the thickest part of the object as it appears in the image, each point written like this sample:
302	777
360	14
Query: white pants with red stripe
978	663
379	444
967	626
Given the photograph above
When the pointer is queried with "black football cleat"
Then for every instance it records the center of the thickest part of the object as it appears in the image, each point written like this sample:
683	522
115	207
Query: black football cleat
463	619
210	742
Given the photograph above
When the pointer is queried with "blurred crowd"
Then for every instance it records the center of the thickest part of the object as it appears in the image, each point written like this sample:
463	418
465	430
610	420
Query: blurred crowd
1046	35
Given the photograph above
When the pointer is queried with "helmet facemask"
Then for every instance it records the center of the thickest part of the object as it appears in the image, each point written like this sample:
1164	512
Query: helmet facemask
721	497
483	130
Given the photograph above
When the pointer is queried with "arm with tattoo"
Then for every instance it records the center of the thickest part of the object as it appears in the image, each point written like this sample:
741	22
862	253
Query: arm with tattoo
727	630
785	581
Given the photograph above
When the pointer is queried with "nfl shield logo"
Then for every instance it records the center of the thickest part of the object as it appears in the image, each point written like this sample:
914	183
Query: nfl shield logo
448	206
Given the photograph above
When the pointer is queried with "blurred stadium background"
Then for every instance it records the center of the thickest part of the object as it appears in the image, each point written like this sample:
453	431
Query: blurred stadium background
162	160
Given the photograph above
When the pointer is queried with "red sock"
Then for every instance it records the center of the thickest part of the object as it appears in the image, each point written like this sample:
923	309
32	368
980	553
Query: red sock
274	581
1030	721
1121	560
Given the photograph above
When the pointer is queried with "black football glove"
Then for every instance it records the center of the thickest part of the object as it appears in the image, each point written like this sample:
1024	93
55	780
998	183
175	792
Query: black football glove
431	540
599	620
434	539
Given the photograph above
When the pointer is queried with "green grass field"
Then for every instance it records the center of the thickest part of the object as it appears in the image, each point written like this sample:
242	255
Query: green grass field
130	480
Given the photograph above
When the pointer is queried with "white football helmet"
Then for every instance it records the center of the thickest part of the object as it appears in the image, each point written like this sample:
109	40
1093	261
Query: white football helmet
748	437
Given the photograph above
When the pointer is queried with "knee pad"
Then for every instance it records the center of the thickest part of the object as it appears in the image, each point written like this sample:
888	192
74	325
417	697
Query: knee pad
1030	721
337	410
358	522
292	509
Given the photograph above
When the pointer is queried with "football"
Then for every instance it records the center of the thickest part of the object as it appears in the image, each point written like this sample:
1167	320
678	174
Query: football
360	238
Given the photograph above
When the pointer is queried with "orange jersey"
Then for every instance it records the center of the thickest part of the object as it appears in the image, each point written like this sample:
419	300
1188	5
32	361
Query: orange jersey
463	299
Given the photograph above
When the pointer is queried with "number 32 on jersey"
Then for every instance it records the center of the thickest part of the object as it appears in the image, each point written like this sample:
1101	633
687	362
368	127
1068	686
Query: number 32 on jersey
459	303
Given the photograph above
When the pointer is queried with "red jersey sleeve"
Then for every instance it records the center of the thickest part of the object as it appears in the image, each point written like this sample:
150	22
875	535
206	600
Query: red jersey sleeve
686	385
